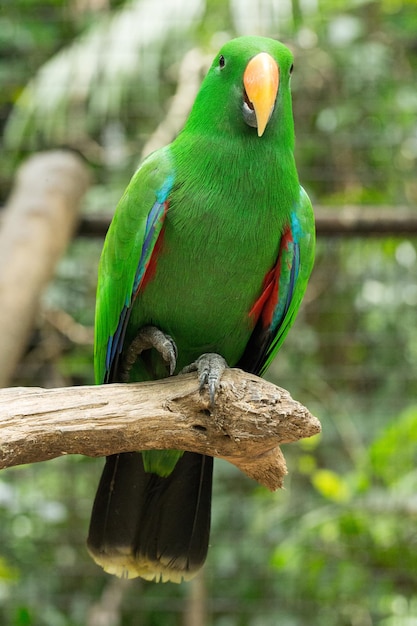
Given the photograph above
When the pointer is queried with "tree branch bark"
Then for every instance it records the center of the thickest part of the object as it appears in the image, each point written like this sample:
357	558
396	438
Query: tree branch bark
249	421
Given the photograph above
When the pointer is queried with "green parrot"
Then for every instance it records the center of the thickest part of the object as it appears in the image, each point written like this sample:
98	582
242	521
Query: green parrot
204	266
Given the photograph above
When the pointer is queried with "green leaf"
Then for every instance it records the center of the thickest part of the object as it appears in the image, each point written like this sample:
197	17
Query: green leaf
331	486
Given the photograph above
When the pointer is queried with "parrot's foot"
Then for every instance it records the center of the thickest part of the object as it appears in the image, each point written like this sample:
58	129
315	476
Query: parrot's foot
210	368
147	338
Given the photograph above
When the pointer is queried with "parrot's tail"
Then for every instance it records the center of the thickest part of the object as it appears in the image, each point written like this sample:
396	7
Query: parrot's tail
148	526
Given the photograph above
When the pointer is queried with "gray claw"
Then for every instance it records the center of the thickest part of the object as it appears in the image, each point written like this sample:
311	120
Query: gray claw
168	351
210	368
147	338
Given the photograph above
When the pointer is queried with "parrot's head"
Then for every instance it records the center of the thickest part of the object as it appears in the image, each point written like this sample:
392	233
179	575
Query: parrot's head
247	89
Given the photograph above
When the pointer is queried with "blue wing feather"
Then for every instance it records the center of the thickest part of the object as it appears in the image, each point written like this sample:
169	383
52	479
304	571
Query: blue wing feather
137	224
283	289
153	228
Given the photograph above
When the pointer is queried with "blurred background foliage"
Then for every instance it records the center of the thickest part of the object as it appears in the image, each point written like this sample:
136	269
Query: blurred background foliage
338	547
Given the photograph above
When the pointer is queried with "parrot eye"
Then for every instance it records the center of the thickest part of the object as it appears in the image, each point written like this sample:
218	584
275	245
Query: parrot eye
222	62
291	68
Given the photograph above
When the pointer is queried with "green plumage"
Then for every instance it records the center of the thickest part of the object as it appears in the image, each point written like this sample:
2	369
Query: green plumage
234	213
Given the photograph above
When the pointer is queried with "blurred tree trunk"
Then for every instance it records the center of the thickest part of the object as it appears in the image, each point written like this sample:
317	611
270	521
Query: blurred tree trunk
196	605
38	223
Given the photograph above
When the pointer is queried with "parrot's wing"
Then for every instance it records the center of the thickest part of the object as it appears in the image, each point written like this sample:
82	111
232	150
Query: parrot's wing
127	257
283	289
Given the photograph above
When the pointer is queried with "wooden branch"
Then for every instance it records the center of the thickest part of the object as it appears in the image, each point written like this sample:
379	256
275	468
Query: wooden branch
36	228
345	221
251	418
368	221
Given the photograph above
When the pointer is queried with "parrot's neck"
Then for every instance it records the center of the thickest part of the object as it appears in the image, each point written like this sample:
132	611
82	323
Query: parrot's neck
257	169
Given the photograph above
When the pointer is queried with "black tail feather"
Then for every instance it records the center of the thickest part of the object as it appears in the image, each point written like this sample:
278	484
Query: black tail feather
145	525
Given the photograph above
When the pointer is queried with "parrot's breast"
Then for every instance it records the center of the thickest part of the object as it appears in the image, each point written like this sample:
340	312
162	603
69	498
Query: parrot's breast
208	274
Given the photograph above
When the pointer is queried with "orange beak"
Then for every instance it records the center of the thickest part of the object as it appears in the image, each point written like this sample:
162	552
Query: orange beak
261	80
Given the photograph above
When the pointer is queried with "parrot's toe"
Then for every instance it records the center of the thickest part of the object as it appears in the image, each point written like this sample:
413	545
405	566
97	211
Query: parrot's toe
210	368
147	338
